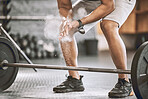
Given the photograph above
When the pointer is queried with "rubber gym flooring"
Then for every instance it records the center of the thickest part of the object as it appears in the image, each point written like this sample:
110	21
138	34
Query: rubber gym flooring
38	85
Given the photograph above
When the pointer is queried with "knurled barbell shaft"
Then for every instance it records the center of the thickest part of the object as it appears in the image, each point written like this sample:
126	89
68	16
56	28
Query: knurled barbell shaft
42	66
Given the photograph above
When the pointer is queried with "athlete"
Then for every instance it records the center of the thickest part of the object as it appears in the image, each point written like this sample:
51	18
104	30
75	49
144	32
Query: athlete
111	14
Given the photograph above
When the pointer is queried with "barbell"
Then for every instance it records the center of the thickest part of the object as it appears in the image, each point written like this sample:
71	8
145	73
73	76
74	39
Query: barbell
9	63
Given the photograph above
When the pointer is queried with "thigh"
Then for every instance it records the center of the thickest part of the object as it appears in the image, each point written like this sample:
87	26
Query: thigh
122	10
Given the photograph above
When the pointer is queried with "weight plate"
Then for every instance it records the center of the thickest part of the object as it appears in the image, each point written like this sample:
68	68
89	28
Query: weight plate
139	72
7	52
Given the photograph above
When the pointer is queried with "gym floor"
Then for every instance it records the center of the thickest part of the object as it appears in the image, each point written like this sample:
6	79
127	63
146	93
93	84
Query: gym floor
38	85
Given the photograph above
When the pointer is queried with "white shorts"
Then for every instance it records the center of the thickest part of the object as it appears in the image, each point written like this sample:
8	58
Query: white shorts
122	10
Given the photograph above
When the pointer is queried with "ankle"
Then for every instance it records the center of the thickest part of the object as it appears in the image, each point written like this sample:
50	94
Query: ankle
78	78
123	76
75	76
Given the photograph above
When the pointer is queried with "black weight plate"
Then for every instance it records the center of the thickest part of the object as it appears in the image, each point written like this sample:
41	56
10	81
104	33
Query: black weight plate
139	72
7	52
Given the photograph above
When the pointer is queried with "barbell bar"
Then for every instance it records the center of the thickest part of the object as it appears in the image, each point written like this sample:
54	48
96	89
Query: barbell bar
43	66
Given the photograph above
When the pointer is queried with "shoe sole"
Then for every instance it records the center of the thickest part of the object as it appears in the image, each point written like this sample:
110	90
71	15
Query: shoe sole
120	95
68	90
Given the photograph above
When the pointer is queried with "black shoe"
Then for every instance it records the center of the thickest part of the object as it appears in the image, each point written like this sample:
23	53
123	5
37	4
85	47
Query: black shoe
122	89
70	85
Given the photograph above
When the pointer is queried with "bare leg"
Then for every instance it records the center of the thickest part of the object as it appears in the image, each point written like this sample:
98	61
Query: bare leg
70	53
116	45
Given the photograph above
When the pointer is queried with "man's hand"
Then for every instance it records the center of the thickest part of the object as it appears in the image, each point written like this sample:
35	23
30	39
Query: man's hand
68	28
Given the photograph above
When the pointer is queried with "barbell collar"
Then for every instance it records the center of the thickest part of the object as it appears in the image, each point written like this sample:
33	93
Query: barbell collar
58	67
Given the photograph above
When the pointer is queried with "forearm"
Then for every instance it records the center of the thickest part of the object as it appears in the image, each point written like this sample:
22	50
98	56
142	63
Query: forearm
98	13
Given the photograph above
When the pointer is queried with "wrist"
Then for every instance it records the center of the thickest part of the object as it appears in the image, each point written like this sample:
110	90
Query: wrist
80	27
80	24
75	24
